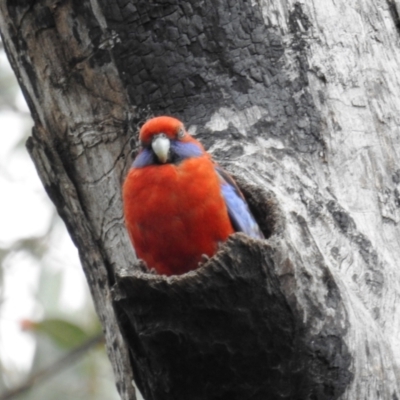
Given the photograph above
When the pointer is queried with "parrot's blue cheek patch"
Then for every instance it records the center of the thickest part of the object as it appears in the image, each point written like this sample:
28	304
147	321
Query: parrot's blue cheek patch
185	150
144	158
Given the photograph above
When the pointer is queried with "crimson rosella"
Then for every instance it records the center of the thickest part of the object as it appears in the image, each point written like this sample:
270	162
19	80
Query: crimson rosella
178	204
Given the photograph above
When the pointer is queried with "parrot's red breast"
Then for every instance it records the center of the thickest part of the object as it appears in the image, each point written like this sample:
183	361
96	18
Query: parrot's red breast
176	200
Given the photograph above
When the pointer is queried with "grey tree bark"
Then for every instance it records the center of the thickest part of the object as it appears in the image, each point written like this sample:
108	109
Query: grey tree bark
299	101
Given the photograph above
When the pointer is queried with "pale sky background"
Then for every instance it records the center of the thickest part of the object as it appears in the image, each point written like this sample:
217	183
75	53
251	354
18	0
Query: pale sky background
25	212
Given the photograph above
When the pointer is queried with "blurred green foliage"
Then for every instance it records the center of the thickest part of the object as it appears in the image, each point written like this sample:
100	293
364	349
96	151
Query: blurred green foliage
64	334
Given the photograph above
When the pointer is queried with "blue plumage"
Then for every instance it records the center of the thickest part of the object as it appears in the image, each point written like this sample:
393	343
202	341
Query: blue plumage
179	151
184	150
238	210
144	158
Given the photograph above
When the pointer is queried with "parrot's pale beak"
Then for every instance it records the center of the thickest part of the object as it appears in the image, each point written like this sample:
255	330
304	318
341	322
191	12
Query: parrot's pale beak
160	146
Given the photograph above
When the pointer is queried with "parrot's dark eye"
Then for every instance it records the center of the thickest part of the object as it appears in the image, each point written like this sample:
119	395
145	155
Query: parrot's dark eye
181	133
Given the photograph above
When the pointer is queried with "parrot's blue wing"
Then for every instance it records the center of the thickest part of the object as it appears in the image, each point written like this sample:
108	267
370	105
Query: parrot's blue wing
238	210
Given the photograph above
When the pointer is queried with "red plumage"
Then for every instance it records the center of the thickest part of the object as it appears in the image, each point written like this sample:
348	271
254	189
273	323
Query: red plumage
174	211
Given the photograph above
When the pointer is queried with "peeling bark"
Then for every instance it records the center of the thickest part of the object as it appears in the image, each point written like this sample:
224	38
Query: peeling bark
299	102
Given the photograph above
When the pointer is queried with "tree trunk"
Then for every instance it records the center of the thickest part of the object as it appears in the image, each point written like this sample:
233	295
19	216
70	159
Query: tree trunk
299	102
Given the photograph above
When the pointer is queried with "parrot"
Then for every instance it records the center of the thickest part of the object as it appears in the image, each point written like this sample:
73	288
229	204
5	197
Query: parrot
179	205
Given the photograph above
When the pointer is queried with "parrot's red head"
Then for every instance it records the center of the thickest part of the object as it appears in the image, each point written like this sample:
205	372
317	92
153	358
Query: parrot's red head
171	127
165	140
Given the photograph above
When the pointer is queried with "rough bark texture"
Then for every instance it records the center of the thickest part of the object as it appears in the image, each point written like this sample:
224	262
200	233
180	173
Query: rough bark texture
300	102
60	53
